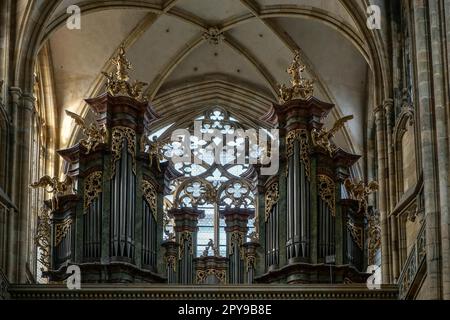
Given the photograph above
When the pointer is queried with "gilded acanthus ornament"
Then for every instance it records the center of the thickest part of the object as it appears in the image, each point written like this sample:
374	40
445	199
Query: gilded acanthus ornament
301	88
250	261
301	136
150	196
327	192
359	191
118	81
43	234
92	188
95	133
374	236
119	136
271	199
356	233
186	240
171	262
154	150
202	275
61	230
236	242
55	187
170	236
322	138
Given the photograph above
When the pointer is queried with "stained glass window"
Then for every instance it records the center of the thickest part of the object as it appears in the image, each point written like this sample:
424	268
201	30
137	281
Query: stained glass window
213	160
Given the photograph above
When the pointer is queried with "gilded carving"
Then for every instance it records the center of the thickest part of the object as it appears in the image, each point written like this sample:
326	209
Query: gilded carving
92	188
195	192
61	230
322	138
154	150
171	262
119	135
236	242
202	275
42	238
300	135
327	192
150	197
301	88
250	261
356	233
271	199
186	238
95	133
359	191
374	236
118	82
55	187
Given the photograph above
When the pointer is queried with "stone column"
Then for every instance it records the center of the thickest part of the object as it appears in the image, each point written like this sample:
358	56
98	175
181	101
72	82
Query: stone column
438	16
431	109
391	181
381	145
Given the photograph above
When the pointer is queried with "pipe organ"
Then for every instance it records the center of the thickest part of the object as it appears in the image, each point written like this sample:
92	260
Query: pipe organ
108	217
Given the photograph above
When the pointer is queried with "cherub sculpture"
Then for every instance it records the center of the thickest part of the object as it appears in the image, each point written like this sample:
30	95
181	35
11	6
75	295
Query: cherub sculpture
55	187
322	138
360	191
95	134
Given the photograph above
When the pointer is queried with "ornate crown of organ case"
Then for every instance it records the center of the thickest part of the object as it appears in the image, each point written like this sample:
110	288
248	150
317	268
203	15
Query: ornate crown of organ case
107	215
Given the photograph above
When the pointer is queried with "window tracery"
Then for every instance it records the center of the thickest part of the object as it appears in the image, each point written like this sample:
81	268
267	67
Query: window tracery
214	179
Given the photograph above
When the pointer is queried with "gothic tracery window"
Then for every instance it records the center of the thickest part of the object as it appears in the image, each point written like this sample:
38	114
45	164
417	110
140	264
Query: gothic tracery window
213	169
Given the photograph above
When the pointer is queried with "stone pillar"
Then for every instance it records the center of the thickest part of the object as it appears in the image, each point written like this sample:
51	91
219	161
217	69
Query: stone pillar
22	111
383	191
391	181
440	66
431	105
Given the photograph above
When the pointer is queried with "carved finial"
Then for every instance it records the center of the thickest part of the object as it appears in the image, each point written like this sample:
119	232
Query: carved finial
213	35
118	81
301	88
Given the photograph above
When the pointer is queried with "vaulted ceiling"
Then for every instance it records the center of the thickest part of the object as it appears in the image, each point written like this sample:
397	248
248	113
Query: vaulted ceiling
167	46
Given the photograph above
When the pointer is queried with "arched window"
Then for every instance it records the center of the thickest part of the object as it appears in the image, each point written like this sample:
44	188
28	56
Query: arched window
214	168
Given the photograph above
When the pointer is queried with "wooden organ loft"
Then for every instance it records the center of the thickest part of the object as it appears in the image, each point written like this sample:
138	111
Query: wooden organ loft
107	216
